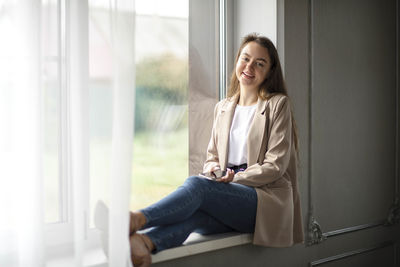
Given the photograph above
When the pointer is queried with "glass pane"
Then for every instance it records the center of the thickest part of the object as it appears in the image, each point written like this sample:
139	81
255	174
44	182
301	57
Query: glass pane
100	109
160	159
51	148
51	111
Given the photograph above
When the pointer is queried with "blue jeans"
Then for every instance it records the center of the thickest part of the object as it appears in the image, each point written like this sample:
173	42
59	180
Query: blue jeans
203	206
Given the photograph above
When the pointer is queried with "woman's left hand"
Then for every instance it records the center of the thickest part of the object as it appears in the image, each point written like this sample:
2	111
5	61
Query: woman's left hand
228	177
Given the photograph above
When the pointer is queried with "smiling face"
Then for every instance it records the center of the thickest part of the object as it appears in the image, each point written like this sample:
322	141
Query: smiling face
252	66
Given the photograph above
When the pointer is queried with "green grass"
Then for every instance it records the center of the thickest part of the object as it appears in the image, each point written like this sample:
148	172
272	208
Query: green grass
160	165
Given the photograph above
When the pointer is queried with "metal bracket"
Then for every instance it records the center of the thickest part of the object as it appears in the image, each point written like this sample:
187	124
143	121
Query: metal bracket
394	214
315	235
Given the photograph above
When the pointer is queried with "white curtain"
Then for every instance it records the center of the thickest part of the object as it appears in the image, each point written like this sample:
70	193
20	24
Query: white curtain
26	238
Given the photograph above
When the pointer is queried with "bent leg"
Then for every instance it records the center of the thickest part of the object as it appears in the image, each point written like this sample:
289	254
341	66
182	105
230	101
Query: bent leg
232	204
177	206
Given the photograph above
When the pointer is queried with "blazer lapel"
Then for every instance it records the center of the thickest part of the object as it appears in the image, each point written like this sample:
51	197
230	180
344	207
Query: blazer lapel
256	136
225	121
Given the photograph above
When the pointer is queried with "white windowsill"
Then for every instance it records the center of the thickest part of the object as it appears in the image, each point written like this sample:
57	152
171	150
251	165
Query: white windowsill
195	244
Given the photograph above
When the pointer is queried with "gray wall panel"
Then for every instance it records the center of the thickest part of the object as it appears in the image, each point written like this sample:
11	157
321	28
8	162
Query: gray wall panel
379	257
297	81
353	110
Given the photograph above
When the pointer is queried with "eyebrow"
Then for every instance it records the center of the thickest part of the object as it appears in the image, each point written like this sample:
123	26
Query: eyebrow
260	58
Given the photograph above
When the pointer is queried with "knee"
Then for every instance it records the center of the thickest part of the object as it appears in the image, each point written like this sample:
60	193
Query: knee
195	182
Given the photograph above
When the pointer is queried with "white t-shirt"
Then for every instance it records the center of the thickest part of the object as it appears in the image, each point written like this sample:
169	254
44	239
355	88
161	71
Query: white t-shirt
241	122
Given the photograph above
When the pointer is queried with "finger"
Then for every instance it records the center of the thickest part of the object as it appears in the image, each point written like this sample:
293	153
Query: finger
227	177
223	179
231	175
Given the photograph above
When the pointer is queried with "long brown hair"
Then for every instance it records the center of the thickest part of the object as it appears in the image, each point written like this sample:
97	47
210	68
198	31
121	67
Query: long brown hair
273	83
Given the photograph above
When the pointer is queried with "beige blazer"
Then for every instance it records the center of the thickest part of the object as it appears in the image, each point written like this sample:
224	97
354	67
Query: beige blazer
272	167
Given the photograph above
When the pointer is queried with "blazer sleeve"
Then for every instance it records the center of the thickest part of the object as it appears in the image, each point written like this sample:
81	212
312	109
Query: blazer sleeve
277	157
212	159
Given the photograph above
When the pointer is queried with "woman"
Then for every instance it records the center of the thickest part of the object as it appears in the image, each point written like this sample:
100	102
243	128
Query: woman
254	139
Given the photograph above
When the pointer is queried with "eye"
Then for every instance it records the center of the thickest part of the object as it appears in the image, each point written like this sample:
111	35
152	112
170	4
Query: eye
259	64
244	58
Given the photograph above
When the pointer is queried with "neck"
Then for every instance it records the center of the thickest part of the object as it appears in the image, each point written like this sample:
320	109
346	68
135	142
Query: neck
248	97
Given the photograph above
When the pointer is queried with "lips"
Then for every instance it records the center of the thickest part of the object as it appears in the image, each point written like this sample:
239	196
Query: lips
247	75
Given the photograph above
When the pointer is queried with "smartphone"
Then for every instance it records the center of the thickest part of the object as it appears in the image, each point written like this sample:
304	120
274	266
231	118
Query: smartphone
214	175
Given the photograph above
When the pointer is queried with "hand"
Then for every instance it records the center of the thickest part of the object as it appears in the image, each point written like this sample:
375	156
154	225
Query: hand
228	177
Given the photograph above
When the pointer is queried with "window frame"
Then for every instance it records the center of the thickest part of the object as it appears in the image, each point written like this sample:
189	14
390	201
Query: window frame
59	233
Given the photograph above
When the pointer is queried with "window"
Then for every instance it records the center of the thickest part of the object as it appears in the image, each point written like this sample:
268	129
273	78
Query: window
160	157
160	160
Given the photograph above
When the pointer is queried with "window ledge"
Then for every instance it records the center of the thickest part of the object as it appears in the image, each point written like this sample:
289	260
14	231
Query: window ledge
197	243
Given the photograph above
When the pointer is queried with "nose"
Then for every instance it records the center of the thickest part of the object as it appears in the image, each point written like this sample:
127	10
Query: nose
250	64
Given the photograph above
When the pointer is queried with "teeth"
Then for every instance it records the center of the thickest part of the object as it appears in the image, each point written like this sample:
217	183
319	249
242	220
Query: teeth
248	75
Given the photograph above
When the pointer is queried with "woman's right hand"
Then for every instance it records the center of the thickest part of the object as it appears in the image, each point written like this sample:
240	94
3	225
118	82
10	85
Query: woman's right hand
228	177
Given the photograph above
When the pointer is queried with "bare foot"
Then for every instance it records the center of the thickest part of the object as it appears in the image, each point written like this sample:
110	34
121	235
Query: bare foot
140	252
